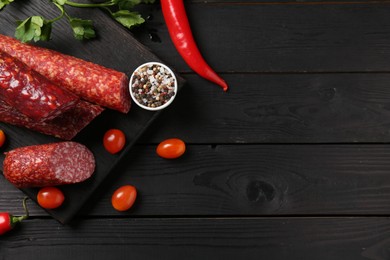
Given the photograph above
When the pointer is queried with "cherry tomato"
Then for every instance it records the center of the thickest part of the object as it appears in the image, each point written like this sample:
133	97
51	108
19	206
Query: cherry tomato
2	138
171	148
114	140
50	197
124	197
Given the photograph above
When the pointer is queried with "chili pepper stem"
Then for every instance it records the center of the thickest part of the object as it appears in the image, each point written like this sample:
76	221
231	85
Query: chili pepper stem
16	219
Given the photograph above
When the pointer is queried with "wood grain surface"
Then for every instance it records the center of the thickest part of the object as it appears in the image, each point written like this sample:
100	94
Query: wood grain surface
291	163
222	238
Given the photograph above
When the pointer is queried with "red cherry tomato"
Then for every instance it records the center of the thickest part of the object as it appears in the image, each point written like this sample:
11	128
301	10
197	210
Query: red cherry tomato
2	138
171	148
124	198
50	197
114	140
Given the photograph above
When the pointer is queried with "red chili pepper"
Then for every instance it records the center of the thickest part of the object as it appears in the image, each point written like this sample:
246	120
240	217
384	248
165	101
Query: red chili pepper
180	31
8	221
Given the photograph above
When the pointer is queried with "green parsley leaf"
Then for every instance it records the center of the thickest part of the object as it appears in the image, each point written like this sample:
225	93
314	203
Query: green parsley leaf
33	28
82	29
3	3
127	18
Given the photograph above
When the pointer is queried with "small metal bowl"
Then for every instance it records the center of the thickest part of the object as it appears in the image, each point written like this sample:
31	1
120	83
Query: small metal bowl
153	89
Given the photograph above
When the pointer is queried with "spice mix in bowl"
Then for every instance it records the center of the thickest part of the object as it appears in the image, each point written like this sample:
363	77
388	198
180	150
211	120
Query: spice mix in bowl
153	86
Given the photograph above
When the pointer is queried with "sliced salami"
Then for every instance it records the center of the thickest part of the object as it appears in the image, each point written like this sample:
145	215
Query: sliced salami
66	126
48	164
31	93
92	82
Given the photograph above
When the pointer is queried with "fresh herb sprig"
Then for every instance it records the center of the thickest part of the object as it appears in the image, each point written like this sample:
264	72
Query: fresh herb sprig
38	28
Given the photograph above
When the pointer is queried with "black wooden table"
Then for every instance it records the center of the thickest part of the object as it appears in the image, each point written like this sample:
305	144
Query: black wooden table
293	162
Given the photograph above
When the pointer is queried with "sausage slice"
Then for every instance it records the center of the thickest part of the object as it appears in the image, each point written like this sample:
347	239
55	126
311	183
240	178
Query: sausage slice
31	93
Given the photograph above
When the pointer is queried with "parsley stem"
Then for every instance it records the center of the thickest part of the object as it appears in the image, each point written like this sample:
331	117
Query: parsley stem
83	5
60	16
108	10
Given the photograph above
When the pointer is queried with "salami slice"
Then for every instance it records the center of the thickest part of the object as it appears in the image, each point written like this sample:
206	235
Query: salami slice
92	82
31	93
66	126
48	164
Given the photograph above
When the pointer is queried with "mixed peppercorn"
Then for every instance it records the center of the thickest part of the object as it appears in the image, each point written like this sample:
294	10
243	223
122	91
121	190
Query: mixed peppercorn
153	85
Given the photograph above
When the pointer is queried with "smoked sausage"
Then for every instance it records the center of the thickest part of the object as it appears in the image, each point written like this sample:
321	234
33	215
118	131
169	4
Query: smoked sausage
92	82
48	164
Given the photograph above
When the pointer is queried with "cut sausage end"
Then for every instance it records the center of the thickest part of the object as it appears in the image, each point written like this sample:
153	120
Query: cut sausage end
72	162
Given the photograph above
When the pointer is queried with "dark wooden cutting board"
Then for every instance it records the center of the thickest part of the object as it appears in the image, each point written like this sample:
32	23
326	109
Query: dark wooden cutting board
115	48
